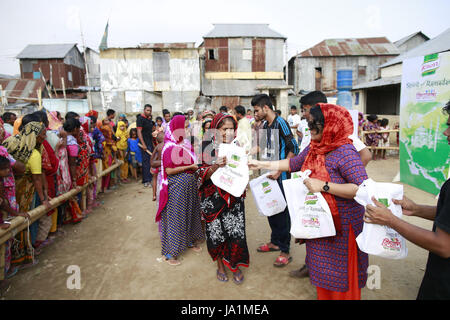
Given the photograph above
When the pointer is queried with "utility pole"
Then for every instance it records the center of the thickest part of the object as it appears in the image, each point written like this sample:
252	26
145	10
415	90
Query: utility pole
86	66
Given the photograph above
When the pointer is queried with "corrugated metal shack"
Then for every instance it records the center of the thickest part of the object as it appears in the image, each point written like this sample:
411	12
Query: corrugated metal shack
56	61
315	68
242	60
165	75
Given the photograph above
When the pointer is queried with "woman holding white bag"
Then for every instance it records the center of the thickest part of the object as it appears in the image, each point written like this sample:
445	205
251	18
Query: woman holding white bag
337	267
224	214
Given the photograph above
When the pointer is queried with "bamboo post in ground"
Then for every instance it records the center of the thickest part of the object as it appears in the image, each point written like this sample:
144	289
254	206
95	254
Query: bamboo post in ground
83	200
2	261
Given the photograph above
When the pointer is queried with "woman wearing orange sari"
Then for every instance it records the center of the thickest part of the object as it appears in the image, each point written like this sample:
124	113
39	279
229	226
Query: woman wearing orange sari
108	157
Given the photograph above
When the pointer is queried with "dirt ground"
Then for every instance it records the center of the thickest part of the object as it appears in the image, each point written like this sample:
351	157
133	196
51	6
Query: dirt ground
117	249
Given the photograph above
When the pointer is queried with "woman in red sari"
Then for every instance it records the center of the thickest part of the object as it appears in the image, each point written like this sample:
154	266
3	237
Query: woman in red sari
223	213
337	267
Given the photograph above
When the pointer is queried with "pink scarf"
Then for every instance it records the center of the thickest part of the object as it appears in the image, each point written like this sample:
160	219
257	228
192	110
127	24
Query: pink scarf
176	152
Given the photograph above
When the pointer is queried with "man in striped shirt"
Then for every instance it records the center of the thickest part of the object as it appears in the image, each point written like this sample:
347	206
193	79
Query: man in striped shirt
276	143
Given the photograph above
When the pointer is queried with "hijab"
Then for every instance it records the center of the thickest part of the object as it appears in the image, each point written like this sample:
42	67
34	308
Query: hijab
338	127
176	152
22	145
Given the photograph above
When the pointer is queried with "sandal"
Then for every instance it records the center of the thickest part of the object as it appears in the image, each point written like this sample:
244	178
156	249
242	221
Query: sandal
282	261
222	277
172	261
266	248
303	272
196	249
238	274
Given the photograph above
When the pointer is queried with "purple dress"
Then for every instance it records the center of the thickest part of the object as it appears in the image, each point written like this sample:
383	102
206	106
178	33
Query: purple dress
327	258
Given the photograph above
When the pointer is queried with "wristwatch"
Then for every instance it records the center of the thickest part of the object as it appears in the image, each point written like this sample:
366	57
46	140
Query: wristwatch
326	187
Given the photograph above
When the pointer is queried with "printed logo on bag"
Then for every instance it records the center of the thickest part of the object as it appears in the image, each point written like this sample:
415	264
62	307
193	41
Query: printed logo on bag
430	64
234	161
392	244
266	187
227	180
272	204
295	175
310	221
384	201
311	199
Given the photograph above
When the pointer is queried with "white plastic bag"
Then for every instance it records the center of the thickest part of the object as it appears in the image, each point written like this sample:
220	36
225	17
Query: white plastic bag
310	214
375	239
233	178
268	196
306	140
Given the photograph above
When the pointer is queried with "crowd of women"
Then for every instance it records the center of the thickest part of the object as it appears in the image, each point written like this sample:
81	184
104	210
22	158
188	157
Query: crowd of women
43	156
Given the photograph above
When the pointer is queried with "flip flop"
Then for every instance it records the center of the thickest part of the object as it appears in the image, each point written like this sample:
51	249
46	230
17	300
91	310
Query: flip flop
196	249
222	277
282	261
236	277
173	262
266	248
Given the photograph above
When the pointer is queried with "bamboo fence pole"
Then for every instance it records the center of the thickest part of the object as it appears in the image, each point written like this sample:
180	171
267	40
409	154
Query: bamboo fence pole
20	223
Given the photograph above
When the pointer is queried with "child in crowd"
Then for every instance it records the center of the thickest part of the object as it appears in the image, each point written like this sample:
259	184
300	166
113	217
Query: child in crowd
155	162
134	155
384	141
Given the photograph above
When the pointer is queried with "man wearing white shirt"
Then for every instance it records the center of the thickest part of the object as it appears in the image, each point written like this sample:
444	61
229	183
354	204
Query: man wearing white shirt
294	119
244	131
307	102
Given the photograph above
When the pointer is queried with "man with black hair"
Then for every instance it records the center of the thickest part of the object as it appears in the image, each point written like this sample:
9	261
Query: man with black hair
166	118
244	130
277	143
293	119
71	114
436	281
144	125
223	109
9	118
111	114
278	112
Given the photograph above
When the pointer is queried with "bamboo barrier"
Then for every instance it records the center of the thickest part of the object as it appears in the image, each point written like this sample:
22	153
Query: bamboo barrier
381	132
20	223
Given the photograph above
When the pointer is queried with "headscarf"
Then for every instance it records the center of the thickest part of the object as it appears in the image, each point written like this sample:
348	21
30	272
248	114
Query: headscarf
176	152
92	113
108	133
338	127
208	189
22	145
360	121
53	122
85	122
123	134
17	124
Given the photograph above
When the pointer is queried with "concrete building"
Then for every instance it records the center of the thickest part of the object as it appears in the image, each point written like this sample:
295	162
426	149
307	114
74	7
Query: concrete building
241	60
56	62
382	96
165	75
316	68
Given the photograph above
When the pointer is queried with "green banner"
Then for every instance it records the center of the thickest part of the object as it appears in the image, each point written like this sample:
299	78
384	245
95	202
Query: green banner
424	150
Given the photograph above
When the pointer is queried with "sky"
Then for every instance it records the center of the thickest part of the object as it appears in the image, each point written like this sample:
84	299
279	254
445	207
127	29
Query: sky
132	22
